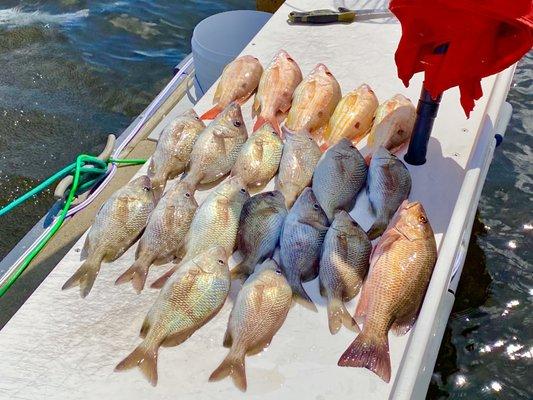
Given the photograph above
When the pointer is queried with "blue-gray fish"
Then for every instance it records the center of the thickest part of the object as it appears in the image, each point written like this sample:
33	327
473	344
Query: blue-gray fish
298	161
215	223
301	240
343	266
338	177
174	148
388	184
259	311
164	234
117	225
189	299
259	229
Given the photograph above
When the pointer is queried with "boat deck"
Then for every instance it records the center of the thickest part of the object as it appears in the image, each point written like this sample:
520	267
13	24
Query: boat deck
60	346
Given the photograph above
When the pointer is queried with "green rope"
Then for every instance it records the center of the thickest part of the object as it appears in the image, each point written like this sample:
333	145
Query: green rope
77	168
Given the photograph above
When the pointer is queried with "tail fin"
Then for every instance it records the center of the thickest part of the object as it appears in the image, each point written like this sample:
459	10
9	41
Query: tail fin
159	282
233	365
338	315
84	277
143	357
377	229
273	121
240	272
136	273
301	296
212	113
368	352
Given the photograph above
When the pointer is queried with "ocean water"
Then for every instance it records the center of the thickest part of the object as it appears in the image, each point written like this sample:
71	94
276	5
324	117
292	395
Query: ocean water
72	71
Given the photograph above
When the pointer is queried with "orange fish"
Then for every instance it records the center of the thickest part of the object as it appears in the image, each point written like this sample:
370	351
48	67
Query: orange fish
276	89
237	83
400	269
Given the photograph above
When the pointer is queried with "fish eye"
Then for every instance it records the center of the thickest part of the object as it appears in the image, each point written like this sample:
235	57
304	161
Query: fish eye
422	219
237	123
196	117
221	262
329	73
290	59
271	194
242	190
278	271
352	146
147	188
274	133
316	206
187	194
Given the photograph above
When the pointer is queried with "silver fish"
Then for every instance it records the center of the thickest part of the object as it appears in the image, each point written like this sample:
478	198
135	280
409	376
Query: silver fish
117	225
166	229
299	158
388	184
217	147
187	302
301	240
259	158
338	177
343	266
259	311
174	148
259	229
215	223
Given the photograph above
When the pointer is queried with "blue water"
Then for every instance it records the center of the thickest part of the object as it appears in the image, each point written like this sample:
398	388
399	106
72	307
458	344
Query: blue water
72	71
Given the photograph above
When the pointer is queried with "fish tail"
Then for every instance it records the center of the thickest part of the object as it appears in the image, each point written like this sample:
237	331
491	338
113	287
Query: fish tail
144	357
371	352
159	282
84	277
338	315
301	296
233	365
259	123
377	229
241	271
137	273
212	113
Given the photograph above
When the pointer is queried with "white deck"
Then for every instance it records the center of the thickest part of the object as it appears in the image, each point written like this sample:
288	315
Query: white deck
59	346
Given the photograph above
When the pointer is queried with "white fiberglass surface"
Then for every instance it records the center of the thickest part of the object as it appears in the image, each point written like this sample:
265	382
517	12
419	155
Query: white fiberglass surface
61	346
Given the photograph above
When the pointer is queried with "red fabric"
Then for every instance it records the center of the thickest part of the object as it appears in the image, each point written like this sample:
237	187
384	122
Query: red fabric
484	37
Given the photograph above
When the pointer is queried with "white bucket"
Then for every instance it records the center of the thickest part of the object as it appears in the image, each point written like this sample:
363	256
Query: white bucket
218	39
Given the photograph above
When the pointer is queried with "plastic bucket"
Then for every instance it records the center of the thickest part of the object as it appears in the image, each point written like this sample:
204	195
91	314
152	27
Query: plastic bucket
218	39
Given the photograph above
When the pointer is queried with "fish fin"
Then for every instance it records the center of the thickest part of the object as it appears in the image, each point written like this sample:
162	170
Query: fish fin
84	277
300	296
240	272
85	249
368	352
259	123
151	168
259	347
231	366
228	340
322	288
212	113
368	158
177	338
143	357
404	323
159	282
324	146
362	305
145	327
338	315
313	224
244	99
137	273
377	228
256	107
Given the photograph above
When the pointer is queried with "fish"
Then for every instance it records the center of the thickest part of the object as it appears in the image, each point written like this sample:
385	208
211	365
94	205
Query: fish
174	148
166	229
215	223
388	184
275	92
353	116
238	81
260	226
217	147
301	240
258	160
400	269
298	160
258	313
314	101
189	299
117	225
338	177
343	266
393	124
